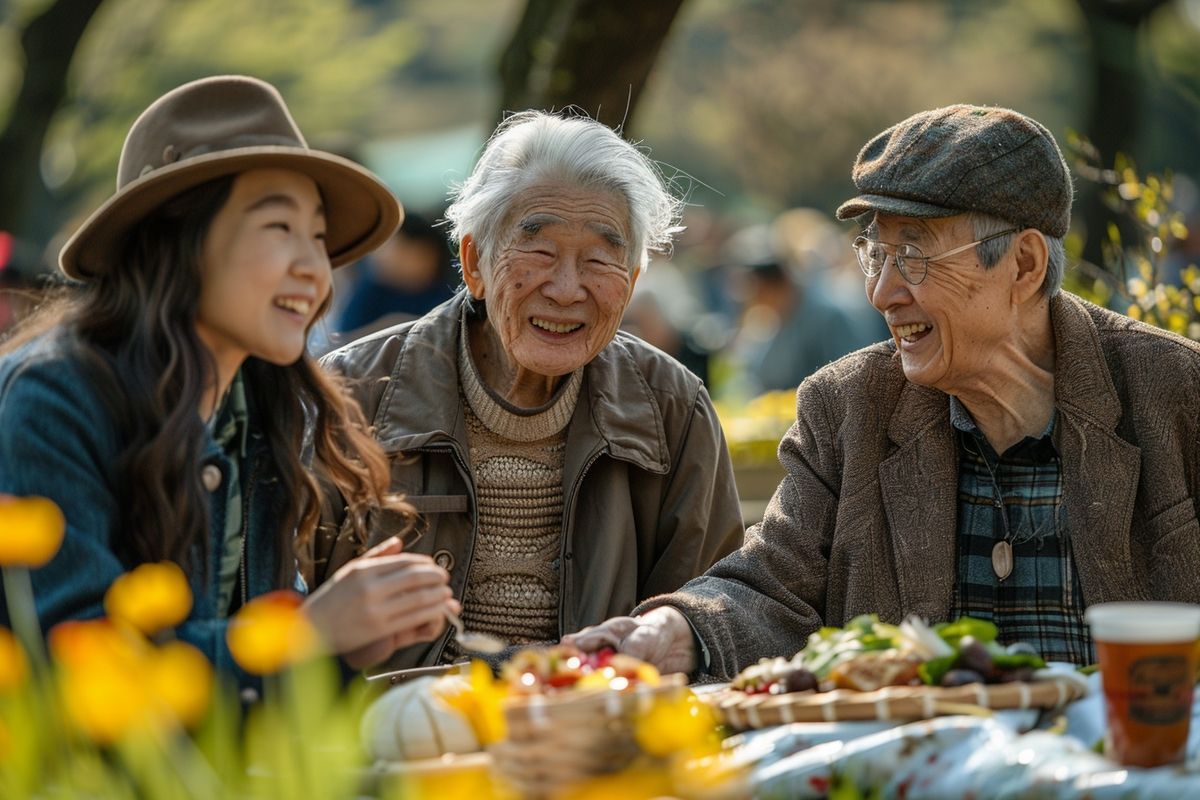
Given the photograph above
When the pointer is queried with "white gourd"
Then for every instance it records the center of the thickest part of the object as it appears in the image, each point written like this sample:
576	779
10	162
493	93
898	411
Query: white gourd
407	722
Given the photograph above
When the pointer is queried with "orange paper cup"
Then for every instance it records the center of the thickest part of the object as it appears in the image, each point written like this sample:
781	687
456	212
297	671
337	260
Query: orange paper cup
1147	655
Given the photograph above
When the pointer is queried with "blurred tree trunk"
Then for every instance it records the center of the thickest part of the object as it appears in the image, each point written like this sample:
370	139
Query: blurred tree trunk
595	54
48	43
1118	87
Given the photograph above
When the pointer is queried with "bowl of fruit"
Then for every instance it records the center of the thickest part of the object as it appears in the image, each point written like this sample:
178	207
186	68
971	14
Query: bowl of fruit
571	715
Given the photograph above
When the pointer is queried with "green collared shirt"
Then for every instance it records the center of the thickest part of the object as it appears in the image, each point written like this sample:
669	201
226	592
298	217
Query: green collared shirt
230	427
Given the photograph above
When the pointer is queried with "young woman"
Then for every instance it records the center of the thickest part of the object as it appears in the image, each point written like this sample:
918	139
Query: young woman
164	405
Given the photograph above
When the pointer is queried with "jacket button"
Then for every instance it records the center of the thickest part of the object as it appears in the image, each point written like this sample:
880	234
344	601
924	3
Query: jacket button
210	476
444	559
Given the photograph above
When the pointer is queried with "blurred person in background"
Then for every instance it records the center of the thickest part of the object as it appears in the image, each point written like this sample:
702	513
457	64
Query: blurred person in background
164	401
563	469
662	312
790	324
402	280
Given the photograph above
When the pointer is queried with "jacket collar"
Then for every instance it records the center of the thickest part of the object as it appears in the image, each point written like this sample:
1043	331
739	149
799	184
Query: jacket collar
616	409
919	480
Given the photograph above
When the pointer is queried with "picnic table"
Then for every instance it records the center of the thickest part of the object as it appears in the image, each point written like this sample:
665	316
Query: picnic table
1028	753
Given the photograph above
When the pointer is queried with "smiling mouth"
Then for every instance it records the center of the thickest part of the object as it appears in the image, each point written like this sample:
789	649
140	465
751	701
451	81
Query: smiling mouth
555	327
910	333
295	304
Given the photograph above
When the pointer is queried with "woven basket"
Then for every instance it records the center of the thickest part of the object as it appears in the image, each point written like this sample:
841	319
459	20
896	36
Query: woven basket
557	740
742	711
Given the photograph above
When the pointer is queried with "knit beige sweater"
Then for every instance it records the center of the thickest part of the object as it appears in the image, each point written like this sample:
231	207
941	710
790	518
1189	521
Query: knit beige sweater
516	456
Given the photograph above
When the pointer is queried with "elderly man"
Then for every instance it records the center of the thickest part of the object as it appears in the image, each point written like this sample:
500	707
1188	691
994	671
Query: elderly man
563	471
1014	453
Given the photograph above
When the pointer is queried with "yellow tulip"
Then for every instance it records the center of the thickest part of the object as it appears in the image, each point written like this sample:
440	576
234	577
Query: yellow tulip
677	724
104	677
480	701
271	632
31	531
115	683
637	782
13	664
181	682
151	598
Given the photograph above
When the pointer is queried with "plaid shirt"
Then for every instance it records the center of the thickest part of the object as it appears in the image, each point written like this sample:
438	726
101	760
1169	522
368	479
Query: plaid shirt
1018	496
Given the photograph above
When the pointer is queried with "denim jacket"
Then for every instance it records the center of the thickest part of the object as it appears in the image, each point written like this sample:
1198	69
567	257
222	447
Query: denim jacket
59	440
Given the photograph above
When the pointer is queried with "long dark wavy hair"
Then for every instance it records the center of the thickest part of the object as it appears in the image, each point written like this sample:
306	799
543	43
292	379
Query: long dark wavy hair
135	331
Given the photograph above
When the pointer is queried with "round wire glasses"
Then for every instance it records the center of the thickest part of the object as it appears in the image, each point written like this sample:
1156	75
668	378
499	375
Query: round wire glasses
908	258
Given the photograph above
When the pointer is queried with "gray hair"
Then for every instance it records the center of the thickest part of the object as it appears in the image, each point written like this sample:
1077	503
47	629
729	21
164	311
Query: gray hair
990	253
534	146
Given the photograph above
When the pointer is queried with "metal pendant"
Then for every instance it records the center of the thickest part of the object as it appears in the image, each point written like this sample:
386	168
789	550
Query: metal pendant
1002	559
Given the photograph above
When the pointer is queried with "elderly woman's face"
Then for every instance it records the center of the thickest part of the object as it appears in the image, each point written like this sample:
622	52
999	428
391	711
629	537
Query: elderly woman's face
948	328
559	279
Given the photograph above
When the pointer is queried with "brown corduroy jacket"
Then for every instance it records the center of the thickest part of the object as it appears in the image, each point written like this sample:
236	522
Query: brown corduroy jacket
865	520
649	497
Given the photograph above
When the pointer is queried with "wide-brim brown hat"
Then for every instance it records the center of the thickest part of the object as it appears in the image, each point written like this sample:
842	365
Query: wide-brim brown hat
221	126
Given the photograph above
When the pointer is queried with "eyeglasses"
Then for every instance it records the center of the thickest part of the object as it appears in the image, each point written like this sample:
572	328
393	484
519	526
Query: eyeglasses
908	258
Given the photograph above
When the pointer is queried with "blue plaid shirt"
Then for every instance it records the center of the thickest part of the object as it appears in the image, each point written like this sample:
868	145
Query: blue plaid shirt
1017	496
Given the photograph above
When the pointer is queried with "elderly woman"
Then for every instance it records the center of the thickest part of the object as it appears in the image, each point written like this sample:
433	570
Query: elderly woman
563	471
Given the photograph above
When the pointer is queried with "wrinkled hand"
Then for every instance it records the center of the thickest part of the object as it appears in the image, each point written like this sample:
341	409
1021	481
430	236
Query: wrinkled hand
380	602
661	636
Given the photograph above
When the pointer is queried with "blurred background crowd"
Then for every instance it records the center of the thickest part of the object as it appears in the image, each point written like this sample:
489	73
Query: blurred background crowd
755	109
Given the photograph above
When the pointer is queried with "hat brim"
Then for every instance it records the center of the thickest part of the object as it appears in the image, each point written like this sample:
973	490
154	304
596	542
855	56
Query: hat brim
900	206
360	211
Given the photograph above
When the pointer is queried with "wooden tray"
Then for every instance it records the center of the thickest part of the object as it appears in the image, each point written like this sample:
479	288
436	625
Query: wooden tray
742	711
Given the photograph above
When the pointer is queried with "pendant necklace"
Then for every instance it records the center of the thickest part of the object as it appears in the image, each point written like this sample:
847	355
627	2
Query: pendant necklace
1002	551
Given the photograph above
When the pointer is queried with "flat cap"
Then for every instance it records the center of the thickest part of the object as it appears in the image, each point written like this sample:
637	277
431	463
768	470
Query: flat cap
965	158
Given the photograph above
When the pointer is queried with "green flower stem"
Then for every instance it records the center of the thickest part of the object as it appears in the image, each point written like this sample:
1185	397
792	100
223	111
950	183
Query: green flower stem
18	592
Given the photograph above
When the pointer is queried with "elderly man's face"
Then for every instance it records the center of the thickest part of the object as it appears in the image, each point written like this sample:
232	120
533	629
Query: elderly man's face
950	327
559	281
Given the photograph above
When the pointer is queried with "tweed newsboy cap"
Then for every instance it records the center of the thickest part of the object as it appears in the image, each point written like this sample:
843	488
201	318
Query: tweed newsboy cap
965	158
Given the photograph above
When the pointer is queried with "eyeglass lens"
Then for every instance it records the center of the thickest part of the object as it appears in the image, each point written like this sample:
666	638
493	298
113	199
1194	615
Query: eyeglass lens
908	258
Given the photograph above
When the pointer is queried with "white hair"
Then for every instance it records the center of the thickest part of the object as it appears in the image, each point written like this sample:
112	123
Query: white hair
533	147
990	253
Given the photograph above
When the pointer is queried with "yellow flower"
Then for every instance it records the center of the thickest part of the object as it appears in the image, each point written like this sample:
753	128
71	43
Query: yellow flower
181	681
480	701
637	782
31	530
13	664
115	683
271	632
104	684
677	724
151	598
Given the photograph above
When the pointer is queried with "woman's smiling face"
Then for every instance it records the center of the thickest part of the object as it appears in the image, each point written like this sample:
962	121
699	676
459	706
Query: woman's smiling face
265	273
558	282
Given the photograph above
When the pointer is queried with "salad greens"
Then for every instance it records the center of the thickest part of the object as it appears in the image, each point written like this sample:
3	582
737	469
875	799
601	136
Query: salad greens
941	647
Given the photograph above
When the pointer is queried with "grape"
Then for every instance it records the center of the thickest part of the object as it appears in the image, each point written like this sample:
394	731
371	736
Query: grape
973	655
799	680
961	677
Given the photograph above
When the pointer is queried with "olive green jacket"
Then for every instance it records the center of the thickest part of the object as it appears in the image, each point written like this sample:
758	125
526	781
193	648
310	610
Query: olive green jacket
865	520
649	496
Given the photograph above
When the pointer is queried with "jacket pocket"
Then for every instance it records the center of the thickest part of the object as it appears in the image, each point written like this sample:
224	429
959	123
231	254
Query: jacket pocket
1175	533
